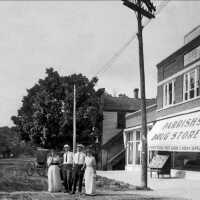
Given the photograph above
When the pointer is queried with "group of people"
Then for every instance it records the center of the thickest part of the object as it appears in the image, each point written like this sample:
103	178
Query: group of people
75	168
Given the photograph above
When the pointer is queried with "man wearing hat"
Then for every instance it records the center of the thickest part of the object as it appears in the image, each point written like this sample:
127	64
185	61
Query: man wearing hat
67	168
78	171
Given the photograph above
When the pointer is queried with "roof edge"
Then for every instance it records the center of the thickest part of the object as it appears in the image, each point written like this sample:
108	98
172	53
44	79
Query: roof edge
179	51
138	111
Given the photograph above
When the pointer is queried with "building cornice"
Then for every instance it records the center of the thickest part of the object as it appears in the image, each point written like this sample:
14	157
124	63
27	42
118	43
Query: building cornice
138	111
179	73
197	109
183	50
137	126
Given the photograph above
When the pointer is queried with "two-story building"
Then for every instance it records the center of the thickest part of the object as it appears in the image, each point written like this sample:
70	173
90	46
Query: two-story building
177	128
114	110
175	120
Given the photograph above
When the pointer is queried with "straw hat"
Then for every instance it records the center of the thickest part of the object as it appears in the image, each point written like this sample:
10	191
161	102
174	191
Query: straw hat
66	146
80	145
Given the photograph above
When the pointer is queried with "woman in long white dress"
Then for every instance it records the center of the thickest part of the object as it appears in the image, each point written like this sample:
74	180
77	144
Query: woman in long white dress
54	179
90	173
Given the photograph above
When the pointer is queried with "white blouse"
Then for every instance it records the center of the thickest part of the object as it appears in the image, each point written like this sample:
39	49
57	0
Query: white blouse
54	159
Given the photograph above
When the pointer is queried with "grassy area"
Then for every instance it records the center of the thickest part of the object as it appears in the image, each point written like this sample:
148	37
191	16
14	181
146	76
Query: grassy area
13	177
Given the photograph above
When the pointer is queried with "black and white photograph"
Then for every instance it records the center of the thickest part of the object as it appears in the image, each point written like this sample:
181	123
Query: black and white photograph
99	100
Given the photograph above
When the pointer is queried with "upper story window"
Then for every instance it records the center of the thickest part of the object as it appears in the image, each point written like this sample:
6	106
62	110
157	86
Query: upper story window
121	121
191	83
168	93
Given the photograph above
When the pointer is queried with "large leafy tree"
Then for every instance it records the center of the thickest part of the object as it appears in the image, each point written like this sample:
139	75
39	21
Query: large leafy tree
46	115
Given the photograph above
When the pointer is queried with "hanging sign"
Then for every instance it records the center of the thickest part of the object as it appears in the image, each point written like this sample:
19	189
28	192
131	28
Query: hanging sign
181	133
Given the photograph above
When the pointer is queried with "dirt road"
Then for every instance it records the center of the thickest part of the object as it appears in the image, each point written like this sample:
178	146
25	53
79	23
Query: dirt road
101	195
15	184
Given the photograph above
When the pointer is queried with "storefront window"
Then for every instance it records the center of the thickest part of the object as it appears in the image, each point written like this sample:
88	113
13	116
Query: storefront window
186	161
129	136
137	153
130	153
133	148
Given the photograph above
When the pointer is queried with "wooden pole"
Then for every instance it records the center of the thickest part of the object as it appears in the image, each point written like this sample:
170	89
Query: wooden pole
138	7
143	101
74	121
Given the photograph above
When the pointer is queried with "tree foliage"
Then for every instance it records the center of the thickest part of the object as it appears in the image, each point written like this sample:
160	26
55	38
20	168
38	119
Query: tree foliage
46	115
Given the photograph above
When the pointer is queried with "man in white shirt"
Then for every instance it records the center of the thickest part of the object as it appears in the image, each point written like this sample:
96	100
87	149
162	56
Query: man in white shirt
78	171
67	168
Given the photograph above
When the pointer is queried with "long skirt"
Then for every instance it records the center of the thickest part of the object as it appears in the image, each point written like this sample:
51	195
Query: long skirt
54	179
90	181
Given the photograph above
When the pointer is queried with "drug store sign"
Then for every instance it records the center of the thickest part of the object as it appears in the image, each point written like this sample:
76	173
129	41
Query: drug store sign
181	133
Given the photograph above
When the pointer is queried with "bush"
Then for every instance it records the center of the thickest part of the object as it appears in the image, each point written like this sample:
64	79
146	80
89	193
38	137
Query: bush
23	149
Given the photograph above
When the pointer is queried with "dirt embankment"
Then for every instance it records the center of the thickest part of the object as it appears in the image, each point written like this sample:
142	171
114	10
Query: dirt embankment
13	177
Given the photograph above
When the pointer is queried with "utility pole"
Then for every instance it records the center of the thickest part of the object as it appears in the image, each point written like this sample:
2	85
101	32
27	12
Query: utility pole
139	7
74	121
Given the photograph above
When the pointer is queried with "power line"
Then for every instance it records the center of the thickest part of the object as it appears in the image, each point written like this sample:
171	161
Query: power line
115	56
110	62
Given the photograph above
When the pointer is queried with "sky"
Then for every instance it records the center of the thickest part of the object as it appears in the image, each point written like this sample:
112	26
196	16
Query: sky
80	37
